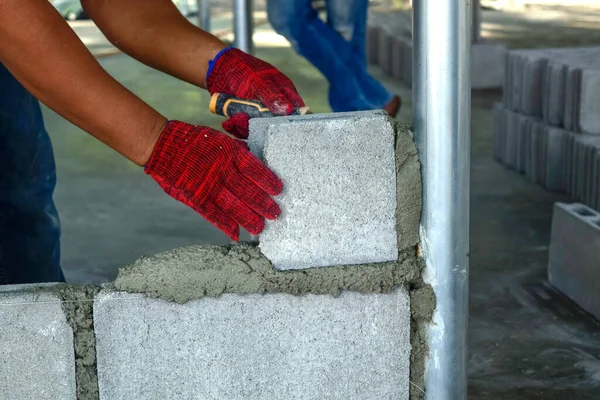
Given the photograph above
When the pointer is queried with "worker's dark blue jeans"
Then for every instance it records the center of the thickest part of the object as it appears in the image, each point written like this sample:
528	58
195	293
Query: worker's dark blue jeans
29	224
335	47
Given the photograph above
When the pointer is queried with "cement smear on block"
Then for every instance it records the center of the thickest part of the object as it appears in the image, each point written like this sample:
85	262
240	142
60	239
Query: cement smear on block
408	188
77	302
194	272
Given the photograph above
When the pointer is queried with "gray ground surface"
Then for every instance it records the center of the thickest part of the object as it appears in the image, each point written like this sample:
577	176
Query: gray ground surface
526	341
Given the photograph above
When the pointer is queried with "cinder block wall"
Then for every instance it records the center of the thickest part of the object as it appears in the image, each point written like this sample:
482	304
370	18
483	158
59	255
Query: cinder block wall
220	322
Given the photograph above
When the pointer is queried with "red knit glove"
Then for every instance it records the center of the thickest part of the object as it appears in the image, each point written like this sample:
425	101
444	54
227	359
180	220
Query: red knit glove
242	75
216	176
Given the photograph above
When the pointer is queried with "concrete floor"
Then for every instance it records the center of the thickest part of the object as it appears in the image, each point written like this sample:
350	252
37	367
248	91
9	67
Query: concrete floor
526	340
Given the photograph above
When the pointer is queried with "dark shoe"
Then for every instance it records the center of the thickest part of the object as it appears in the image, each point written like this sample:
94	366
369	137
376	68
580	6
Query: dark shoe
393	106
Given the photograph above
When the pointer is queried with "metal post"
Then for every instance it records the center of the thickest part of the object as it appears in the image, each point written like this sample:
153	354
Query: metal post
442	101
242	25
204	14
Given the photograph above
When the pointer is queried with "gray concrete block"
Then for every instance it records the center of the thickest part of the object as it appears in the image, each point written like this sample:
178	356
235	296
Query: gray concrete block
372	44
397	57
537	159
37	359
273	346
523	141
487	65
385	51
512	139
573	266
339	198
554	159
580	167
531	100
499	132
554	96
588	116
407	61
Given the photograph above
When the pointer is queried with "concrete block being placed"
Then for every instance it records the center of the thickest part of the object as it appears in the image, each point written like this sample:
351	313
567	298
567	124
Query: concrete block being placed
37	359
271	347
573	266
339	198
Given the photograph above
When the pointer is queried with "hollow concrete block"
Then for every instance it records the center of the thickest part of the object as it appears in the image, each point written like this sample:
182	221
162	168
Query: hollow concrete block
239	347
339	198
573	266
37	358
554	140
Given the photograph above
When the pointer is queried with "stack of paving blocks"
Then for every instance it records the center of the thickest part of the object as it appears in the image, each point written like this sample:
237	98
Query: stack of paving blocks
548	127
390	45
320	308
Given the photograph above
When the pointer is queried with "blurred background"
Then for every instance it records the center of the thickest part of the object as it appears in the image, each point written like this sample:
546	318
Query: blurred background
112	213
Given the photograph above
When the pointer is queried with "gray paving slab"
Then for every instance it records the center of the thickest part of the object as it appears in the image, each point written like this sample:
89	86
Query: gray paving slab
573	266
339	198
37	358
238	347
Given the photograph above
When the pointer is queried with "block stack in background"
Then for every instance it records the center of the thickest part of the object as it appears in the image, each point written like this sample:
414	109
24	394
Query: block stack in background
548	126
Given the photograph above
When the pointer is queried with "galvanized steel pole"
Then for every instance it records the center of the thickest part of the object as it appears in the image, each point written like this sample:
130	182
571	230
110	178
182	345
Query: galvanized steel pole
204	14
441	102
242	25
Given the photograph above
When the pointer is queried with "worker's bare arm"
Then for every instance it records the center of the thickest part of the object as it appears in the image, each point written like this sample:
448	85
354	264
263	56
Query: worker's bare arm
155	33
45	55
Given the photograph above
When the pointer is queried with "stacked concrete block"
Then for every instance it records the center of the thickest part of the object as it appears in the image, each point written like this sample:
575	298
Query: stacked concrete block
560	86
529	147
355	346
574	259
37	359
339	198
487	58
548	116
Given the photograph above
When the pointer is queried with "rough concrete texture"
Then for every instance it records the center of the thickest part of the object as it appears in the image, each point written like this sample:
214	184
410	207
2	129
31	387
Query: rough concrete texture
355	346
77	303
36	346
194	272
574	253
339	198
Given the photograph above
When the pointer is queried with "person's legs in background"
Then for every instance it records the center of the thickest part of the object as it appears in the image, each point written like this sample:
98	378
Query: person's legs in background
351	86
29	224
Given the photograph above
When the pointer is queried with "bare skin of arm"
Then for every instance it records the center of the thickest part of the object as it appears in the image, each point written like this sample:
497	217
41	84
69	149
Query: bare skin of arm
154	32
39	48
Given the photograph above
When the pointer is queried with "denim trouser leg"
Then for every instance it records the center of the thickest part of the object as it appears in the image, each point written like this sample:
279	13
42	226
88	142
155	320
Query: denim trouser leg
29	224
341	61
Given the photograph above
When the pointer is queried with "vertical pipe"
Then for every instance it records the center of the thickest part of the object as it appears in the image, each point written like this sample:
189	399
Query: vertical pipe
442	101
242	25
204	14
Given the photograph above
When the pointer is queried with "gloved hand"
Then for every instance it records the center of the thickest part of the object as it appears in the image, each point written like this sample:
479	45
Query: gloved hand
237	73
215	175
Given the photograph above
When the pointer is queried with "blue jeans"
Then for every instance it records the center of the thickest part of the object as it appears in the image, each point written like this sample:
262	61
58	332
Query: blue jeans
29	224
336	48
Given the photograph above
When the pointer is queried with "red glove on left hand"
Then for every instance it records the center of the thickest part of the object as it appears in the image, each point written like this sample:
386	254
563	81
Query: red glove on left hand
216	176
242	75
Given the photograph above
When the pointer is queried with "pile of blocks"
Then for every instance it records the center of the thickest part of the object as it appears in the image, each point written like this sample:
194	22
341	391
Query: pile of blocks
321	308
548	126
390	46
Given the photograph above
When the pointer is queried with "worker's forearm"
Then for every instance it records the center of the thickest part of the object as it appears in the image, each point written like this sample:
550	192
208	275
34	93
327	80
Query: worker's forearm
45	55
155	33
